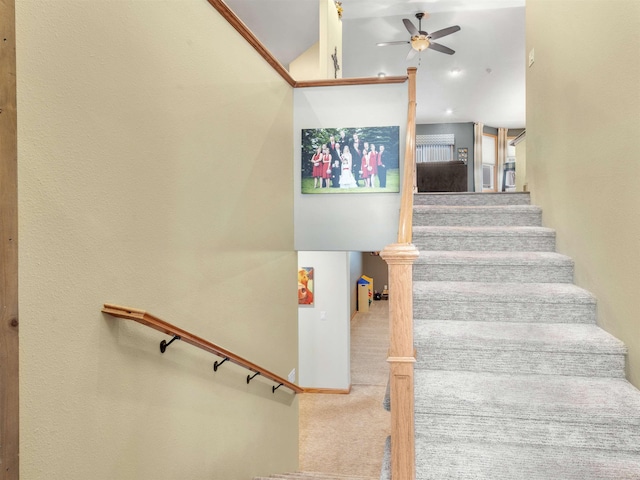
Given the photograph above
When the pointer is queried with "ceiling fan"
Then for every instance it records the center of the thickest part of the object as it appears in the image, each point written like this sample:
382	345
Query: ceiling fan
421	40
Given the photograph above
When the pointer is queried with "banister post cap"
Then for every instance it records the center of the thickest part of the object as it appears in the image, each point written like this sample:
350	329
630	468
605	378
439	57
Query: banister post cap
400	253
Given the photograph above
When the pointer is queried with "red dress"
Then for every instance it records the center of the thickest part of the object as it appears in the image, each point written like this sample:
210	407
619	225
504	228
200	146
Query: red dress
326	166
373	162
366	164
317	165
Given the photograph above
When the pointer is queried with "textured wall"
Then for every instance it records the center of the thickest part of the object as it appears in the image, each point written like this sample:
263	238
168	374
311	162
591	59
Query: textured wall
153	173
583	165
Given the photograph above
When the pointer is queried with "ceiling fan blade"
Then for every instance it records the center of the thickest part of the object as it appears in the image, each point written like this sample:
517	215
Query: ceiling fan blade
444	32
400	42
410	26
411	54
441	48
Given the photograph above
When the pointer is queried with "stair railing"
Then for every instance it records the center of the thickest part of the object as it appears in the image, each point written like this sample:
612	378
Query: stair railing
177	333
400	258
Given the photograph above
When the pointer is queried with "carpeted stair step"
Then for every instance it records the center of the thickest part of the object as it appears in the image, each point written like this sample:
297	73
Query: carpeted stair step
523	239
526	348
525	267
469	460
506	302
385	471
601	412
487	461
448	428
471	199
483	216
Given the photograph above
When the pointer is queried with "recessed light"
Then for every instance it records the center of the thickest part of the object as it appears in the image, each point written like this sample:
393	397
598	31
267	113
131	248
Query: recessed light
449	111
455	72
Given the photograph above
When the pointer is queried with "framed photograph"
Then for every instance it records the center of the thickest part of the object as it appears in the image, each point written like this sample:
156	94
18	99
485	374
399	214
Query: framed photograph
463	154
350	160
305	285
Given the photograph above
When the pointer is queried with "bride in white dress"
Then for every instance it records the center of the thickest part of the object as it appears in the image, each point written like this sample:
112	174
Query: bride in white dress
347	179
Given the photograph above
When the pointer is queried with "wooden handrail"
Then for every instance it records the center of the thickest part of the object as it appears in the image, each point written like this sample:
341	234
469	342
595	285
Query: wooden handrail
406	203
154	322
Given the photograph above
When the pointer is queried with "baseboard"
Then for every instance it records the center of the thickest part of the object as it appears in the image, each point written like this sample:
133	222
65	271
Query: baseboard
330	391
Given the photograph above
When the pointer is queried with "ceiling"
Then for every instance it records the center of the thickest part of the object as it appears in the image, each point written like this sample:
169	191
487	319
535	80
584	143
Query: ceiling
490	50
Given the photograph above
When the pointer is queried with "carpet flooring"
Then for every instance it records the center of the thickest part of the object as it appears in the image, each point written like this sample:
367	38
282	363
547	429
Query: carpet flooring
345	434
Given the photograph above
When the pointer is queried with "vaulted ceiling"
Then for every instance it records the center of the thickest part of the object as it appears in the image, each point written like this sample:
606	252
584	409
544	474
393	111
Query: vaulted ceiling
484	81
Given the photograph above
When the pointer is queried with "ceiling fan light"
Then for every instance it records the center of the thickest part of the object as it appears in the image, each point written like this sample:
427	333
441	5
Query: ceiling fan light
420	42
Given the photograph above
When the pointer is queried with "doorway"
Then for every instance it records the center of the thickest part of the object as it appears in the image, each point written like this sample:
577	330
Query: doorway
489	162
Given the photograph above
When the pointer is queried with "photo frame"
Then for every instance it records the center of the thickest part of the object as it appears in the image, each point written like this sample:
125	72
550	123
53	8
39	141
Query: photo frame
463	154
305	286
350	160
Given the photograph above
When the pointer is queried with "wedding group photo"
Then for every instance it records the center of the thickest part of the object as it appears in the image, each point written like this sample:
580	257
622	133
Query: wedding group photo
350	160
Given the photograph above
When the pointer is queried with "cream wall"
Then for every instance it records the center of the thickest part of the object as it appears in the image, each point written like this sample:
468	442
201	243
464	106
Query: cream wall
330	38
307	65
145	130
583	165
316	62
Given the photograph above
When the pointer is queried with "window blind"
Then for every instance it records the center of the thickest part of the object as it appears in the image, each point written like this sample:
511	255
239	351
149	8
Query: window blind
435	148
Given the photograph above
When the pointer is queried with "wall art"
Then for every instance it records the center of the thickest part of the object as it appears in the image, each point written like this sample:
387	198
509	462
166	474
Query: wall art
305	285
350	160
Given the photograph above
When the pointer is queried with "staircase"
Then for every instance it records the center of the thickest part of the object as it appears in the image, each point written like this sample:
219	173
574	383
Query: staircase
513	380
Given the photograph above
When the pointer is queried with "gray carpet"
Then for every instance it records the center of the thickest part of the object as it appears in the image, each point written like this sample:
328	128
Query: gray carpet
517	239
514	379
